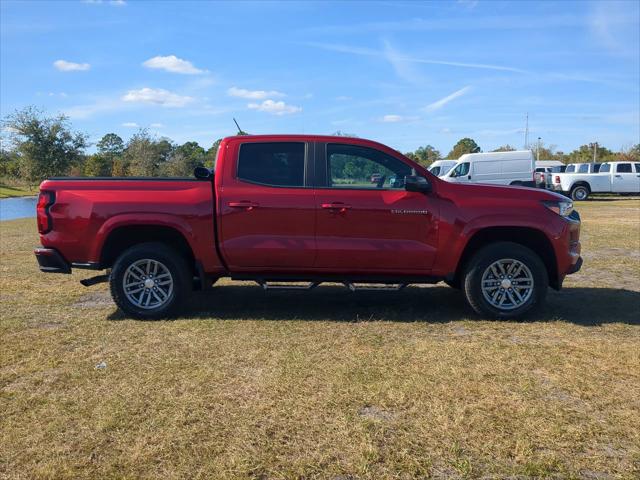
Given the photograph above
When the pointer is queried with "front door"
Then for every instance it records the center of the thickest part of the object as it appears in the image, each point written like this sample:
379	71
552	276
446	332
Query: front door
366	221
267	210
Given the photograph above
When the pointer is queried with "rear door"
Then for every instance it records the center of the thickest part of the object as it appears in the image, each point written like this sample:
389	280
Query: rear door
365	227
625	179
267	207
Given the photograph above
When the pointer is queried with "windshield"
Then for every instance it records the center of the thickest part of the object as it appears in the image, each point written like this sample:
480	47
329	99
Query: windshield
461	170
445	169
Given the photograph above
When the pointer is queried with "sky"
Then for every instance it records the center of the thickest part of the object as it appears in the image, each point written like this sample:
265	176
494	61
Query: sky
406	74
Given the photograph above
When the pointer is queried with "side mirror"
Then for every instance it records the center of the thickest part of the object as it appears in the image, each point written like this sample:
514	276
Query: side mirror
202	173
414	183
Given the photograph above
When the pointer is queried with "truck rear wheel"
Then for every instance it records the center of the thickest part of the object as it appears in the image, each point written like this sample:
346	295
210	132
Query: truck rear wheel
579	192
150	281
505	280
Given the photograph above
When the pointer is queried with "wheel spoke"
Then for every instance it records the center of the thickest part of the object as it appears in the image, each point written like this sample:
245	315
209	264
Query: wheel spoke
507	284
138	269
156	281
518	295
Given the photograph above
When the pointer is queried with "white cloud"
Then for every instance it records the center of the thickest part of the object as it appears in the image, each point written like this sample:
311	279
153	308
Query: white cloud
119	3
396	118
173	64
470	4
401	61
65	66
343	98
253	94
391	118
401	64
130	125
157	96
156	125
276	108
443	101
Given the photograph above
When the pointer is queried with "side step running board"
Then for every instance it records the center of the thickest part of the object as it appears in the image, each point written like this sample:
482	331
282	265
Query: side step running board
384	287
371	288
279	286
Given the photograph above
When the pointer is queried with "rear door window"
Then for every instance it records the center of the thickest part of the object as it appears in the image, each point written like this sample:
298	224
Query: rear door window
623	168
277	164
605	168
584	168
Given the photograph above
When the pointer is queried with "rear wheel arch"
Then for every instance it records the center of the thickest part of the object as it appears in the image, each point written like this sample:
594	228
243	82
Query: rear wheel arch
122	238
532	238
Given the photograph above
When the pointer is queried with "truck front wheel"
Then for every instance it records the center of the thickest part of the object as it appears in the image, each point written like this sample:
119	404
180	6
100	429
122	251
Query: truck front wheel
505	280
150	281
579	192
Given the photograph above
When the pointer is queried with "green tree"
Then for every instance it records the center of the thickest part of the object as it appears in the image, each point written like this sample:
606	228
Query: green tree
45	146
144	156
464	145
426	155
184	159
98	165
504	148
630	154
584	153
110	150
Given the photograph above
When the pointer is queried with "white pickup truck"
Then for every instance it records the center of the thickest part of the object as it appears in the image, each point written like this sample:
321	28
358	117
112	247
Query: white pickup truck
612	177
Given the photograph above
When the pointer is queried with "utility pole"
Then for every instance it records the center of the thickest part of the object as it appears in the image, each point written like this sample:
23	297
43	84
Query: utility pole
538	151
595	152
526	133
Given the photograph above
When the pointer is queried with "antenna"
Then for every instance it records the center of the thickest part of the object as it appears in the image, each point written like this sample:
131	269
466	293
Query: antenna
240	132
526	133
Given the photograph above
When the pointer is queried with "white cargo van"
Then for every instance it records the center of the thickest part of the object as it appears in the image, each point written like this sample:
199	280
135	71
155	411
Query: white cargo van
498	168
441	167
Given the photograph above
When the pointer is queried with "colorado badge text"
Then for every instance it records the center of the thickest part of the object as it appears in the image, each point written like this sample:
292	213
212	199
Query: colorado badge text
410	212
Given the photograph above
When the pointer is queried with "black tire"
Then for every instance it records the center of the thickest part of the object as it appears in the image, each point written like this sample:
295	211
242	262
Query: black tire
579	193
486	257
177	267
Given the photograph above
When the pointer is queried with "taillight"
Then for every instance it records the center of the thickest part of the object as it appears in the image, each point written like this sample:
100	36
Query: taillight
557	179
45	200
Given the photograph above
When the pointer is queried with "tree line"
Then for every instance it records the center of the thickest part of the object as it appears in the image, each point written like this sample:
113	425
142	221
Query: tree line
35	146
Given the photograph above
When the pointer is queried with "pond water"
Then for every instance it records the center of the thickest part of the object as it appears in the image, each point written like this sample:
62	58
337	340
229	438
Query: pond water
19	207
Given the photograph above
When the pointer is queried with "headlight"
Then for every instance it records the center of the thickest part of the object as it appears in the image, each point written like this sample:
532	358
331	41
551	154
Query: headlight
561	207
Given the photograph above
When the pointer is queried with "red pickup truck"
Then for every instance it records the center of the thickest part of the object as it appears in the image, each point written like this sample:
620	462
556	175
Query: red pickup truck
286	209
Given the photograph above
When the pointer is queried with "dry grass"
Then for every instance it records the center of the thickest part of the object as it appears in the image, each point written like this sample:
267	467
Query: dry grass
325	384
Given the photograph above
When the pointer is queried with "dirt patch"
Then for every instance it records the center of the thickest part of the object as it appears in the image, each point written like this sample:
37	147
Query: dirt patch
612	251
94	300
372	412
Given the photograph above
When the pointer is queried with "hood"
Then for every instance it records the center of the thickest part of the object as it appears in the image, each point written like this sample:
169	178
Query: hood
497	191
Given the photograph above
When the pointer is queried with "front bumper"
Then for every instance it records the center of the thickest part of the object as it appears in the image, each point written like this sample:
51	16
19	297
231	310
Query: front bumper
575	267
51	261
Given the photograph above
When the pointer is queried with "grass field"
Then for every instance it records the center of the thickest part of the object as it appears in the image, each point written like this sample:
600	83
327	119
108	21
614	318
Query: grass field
325	384
7	190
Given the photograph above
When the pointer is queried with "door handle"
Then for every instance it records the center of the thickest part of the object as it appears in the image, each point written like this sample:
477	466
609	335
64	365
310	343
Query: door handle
618	176
341	207
244	204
